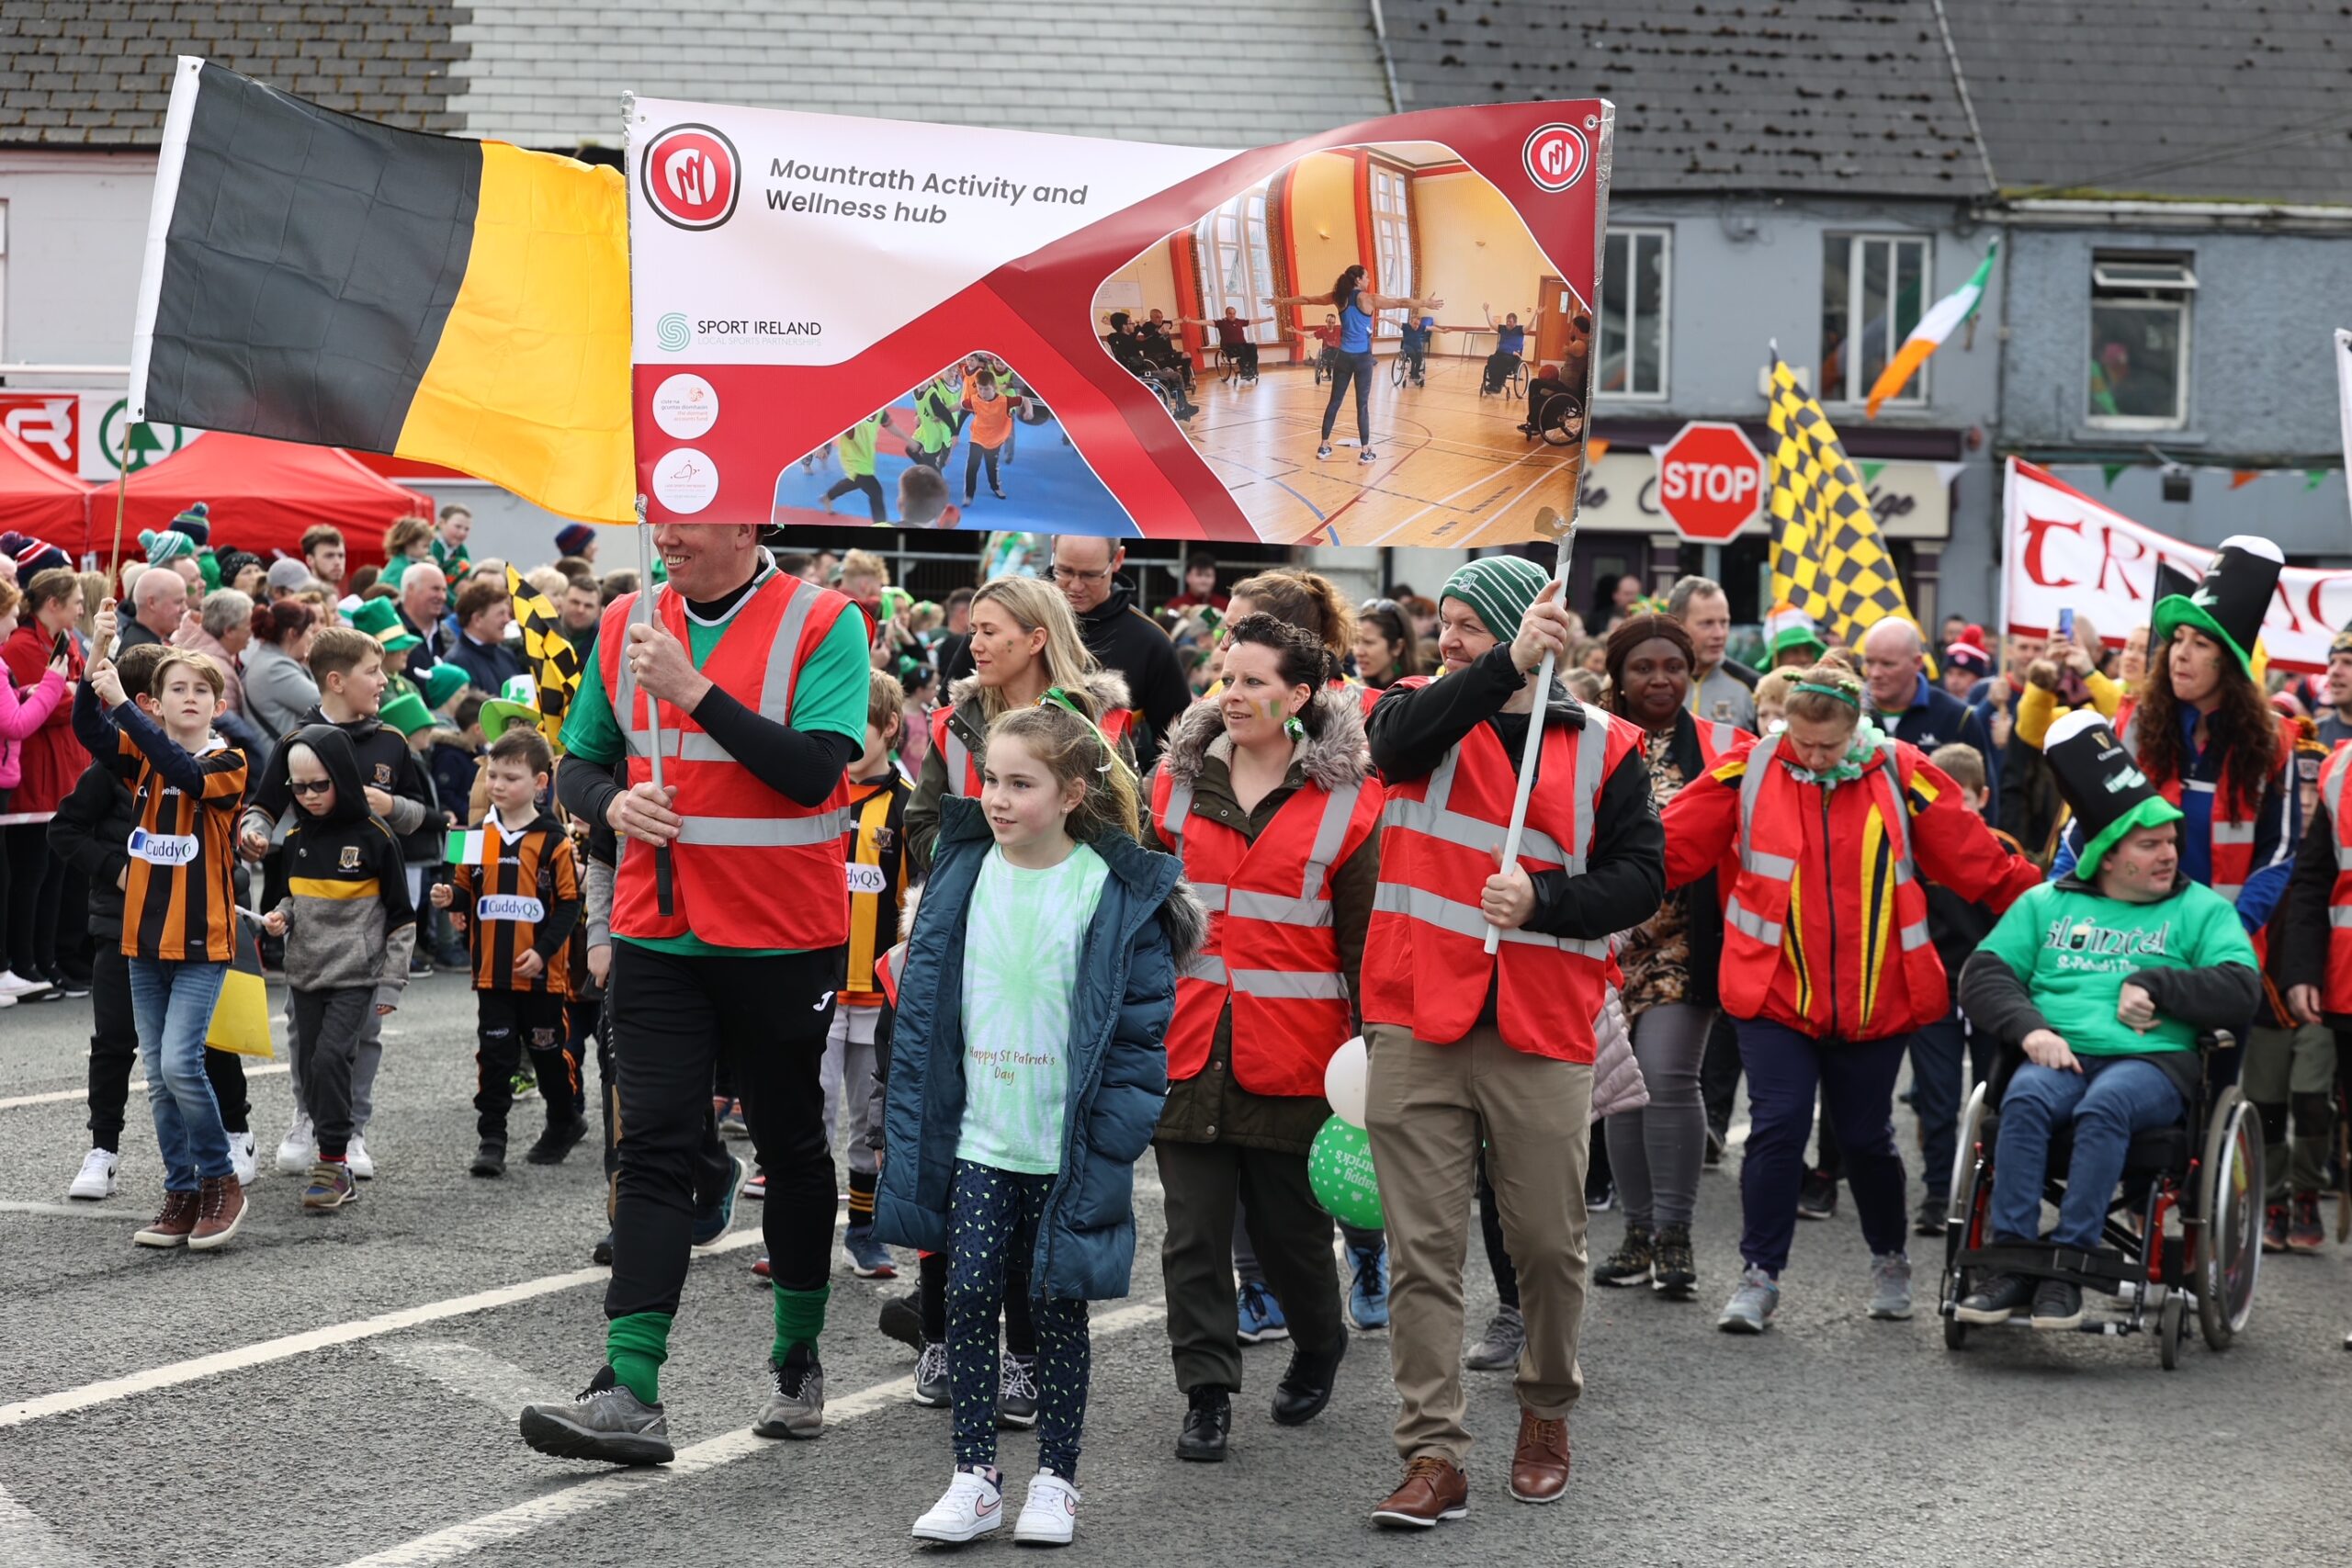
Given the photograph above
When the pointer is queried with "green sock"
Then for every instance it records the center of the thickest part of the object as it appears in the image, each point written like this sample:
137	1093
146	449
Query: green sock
799	1318
635	1347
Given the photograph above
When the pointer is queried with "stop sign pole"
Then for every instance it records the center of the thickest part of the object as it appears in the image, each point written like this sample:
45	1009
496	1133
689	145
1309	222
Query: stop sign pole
1709	481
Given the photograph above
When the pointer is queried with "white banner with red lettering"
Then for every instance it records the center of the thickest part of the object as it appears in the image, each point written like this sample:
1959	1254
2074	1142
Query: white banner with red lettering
2063	551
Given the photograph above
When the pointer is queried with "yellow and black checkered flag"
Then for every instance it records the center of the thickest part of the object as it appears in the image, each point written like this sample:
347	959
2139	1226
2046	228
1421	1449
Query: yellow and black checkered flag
1827	559
555	663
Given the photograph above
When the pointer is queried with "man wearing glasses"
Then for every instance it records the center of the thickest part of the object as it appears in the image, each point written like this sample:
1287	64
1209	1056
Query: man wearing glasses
1121	636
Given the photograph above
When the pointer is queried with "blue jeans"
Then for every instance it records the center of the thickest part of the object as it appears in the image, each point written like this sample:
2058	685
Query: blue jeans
2109	1101
1856	1082
173	1003
1945	1064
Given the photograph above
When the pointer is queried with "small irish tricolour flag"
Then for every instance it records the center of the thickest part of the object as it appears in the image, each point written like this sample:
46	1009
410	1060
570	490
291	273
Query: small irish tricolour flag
1940	322
466	848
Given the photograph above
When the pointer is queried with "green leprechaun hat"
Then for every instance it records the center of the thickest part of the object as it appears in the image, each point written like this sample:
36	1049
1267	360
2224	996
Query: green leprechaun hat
406	713
380	618
517	703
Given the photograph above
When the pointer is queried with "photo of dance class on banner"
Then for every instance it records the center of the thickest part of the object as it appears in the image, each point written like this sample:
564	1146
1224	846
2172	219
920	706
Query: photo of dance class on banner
1377	336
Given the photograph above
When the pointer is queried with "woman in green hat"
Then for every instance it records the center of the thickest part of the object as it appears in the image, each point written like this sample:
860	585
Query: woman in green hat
2203	730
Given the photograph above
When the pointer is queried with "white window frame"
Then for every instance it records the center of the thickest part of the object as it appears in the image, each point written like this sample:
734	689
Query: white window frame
1857	389
1247	212
1391	242
2112	291
1636	237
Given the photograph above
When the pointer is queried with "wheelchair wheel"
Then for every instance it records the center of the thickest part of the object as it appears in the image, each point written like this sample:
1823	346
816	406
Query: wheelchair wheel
2229	1241
1519	380
1964	1163
1400	370
2172	1331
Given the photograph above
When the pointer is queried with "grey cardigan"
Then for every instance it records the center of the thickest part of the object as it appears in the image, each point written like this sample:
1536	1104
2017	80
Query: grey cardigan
278	691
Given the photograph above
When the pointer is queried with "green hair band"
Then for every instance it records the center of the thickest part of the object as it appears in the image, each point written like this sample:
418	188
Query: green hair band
1821	689
1057	697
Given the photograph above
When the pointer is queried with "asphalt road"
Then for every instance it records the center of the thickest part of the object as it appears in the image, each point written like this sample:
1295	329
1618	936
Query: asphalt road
342	1389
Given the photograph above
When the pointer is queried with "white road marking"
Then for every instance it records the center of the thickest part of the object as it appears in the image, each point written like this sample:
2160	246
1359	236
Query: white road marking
25	1537
289	1345
68	1096
84	1210
511	1524
1737	1136
470	1371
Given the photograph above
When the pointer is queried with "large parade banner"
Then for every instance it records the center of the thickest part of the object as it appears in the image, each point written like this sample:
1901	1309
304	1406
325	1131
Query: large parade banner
2063	550
823	308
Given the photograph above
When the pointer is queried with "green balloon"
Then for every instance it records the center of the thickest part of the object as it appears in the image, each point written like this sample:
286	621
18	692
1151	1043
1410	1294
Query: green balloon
1339	1172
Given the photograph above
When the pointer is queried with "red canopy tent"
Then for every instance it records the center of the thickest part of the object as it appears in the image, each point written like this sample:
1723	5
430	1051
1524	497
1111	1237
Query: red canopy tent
38	498
262	494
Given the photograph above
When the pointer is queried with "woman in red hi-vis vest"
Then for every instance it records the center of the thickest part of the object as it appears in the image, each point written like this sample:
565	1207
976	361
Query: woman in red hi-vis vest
1827	967
1025	643
1469	1048
1266	795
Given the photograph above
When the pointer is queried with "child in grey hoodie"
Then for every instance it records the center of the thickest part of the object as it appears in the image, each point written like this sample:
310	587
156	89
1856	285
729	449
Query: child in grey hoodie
348	926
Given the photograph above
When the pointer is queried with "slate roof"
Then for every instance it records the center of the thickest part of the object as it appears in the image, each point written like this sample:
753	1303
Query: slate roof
2244	99
97	73
1208	73
1815	95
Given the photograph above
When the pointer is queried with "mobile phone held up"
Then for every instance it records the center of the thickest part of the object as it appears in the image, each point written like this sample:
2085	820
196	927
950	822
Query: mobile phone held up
2066	622
60	646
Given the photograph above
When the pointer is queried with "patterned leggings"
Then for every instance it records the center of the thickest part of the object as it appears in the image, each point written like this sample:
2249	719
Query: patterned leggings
993	1214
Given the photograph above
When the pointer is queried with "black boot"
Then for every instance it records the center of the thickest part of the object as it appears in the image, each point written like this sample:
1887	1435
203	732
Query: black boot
1205	1425
557	1141
489	1159
1306	1388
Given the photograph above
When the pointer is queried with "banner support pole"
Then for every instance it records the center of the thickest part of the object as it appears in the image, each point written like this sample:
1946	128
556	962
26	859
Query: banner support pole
664	888
1564	530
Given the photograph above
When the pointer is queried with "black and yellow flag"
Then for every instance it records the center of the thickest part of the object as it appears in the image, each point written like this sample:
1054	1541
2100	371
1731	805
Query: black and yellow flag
555	663
312	277
1828	558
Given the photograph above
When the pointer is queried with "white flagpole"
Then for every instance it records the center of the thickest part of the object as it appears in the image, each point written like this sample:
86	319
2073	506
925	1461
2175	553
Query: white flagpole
2344	396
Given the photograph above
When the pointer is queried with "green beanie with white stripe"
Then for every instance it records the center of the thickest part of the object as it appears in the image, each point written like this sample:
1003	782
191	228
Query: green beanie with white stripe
1500	587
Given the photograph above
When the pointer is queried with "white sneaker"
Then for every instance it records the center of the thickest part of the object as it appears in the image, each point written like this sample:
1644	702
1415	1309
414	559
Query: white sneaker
12	986
363	1164
300	1148
1050	1517
242	1160
971	1507
97	1176
7	1002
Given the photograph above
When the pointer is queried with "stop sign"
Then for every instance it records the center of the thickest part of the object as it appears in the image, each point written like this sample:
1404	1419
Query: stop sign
1709	481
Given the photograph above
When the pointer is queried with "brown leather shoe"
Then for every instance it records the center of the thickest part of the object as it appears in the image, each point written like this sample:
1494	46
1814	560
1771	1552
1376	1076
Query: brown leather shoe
219	1209
171	1227
1539	1466
1433	1490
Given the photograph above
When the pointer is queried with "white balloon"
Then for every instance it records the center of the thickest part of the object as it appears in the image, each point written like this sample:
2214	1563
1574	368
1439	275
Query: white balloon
1345	1077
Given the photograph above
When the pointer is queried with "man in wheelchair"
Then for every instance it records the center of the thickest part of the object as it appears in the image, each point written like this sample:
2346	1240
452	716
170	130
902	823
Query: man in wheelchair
2104	979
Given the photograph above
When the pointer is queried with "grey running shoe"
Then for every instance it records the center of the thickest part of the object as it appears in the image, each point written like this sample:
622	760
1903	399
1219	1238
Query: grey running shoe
1751	1306
1890	1287
1497	1349
797	1409
606	1422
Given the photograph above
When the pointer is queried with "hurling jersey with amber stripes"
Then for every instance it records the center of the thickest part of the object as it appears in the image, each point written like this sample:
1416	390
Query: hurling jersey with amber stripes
524	885
876	852
179	897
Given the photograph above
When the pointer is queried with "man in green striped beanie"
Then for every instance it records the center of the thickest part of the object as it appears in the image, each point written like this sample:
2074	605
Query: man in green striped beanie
1468	1046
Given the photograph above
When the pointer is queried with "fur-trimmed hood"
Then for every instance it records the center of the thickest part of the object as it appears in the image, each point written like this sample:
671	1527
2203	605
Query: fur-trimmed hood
1186	921
1106	689
1334	756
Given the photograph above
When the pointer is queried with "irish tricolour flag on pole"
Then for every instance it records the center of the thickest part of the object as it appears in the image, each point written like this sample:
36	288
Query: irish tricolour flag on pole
1934	327
467	848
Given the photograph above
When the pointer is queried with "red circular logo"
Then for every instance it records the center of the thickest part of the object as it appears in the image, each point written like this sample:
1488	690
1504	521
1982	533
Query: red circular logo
691	176
1557	156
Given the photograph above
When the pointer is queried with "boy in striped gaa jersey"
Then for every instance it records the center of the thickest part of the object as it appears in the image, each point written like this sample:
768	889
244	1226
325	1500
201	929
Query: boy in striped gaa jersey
516	895
179	913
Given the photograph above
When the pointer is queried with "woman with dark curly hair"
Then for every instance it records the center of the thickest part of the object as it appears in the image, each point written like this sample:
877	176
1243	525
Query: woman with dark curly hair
1669	962
2205	734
